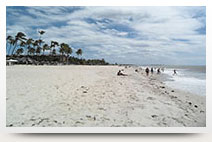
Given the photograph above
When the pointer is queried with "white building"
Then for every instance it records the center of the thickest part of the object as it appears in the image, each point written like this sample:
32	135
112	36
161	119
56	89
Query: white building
11	62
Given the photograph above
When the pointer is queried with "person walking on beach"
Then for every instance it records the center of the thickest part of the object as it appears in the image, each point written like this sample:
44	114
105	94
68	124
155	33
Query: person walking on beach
147	71
152	70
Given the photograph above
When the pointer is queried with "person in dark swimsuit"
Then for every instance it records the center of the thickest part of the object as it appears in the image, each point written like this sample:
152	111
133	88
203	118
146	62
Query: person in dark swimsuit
120	73
147	71
152	70
175	72
158	71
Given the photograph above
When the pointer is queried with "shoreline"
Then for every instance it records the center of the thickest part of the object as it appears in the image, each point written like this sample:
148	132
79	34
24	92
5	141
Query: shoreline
83	95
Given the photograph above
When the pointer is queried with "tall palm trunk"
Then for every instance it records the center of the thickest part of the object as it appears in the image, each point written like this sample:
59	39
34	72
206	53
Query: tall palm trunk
25	47
14	48
9	49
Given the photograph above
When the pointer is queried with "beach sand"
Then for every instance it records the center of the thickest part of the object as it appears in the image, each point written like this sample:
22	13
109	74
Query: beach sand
84	96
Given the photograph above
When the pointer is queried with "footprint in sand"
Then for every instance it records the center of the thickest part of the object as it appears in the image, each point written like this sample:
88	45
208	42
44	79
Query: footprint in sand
90	117
85	89
166	92
173	97
154	116
56	86
189	103
100	108
10	125
150	98
79	122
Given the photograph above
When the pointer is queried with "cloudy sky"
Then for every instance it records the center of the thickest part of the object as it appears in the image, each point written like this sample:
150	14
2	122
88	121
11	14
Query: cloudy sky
138	35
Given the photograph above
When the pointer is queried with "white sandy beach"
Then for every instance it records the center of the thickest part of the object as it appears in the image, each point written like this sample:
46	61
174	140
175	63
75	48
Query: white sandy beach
69	96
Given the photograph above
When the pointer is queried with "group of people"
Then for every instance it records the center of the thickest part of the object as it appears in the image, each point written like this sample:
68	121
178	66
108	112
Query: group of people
147	70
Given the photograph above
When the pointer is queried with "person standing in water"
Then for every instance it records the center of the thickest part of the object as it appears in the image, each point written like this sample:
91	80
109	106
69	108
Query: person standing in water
152	70
147	71
158	71
175	72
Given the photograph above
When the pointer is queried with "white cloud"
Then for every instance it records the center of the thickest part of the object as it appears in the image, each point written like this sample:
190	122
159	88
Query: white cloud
160	32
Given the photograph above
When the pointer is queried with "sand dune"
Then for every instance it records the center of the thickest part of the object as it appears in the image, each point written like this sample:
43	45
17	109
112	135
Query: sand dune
69	96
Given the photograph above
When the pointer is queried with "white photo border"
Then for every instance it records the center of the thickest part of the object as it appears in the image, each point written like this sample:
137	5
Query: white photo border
4	3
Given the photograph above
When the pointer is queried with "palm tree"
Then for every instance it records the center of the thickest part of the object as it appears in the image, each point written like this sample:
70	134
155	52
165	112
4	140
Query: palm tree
41	33
11	41
19	51
9	37
68	50
7	40
55	44
35	45
29	42
62	49
31	51
19	36
38	50
45	47
40	41
54	52
65	49
23	44
79	52
52	46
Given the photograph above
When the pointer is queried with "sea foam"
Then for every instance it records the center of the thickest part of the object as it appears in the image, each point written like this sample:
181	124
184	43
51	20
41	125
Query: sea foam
187	81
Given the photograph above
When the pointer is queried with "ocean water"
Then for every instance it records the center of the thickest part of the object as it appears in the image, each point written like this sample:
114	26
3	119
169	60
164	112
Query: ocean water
188	78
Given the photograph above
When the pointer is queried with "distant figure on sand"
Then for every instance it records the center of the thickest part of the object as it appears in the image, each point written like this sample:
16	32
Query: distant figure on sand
152	70
158	71
147	71
175	72
136	70
120	73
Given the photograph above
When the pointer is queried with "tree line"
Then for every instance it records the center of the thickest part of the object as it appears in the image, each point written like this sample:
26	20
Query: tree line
21	46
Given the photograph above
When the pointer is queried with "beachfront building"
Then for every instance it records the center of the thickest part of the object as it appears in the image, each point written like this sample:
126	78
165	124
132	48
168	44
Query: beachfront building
11	62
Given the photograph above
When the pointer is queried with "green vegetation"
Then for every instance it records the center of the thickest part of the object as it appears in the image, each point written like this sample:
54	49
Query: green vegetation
36	51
